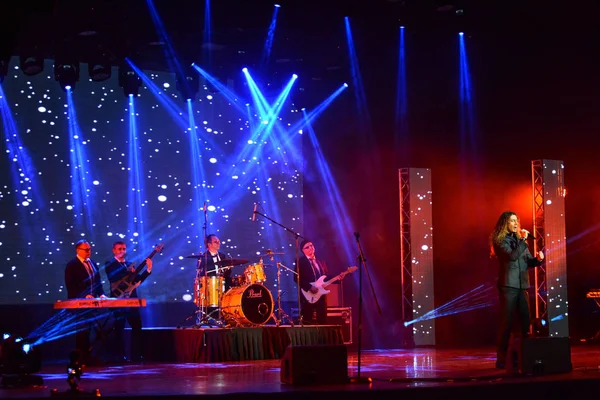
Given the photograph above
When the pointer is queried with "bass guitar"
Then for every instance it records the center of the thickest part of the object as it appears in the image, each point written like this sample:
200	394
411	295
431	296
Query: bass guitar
320	284
124	286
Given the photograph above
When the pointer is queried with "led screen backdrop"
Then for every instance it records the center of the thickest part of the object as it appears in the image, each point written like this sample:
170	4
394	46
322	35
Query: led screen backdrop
104	169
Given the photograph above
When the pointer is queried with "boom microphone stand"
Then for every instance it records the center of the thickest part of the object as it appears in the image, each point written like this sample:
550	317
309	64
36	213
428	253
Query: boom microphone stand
297	236
363	263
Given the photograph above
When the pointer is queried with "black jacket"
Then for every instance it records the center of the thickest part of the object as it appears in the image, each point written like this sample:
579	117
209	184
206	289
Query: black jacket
307	275
515	260
77	280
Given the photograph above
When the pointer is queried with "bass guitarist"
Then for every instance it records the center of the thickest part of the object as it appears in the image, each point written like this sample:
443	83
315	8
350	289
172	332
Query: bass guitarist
117	269
310	270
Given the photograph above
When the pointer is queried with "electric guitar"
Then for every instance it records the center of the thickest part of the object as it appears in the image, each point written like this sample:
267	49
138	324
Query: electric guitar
321	285
124	286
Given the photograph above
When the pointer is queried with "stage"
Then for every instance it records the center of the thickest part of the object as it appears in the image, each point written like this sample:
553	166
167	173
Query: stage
407	374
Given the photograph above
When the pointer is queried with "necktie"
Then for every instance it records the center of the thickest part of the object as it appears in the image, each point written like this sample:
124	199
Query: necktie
315	267
90	270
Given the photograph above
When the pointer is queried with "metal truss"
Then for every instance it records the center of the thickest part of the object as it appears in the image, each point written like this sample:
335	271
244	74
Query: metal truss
405	245
539	230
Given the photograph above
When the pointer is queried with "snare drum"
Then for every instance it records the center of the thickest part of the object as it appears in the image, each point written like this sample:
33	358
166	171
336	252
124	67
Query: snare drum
247	305
255	273
208	290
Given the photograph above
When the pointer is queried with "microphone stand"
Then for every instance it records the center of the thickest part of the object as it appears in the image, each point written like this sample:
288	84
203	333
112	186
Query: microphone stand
297	236
363	263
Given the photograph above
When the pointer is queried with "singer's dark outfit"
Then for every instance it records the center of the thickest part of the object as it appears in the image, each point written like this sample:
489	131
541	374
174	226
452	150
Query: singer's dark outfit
115	271
513	281
311	313
79	284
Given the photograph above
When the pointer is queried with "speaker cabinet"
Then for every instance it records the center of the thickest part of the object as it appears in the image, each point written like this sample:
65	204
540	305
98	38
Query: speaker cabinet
539	355
315	365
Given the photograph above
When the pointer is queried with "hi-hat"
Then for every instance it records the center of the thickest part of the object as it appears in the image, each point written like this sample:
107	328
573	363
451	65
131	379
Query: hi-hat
231	262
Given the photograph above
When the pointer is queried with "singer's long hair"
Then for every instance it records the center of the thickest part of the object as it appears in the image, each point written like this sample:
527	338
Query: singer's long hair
501	230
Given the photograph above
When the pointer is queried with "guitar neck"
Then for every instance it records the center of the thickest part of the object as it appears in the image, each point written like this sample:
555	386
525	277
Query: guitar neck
139	268
335	278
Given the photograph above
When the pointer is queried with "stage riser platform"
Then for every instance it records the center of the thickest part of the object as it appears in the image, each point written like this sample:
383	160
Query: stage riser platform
209	345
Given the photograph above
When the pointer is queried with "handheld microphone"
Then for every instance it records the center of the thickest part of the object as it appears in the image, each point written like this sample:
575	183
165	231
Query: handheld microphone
529	234
254	213
205	208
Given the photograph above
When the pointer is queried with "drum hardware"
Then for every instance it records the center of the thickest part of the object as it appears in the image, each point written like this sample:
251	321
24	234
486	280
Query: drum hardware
281	315
270	253
231	262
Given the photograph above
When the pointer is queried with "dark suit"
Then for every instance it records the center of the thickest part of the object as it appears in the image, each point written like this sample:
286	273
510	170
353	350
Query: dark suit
207	263
311	313
79	284
514	261
115	271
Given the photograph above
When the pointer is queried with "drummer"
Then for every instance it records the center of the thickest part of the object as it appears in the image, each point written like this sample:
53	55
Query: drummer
206	263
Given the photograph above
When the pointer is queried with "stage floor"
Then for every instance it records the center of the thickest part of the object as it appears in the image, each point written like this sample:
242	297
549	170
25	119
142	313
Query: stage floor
417	373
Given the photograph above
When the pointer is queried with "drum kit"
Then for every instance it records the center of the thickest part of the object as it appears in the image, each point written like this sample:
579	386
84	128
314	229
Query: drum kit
248	302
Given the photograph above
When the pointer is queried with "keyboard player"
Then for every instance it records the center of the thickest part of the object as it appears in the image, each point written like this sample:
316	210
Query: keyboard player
82	280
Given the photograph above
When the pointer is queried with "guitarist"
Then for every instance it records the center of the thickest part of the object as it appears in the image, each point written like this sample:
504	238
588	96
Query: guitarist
310	269
116	269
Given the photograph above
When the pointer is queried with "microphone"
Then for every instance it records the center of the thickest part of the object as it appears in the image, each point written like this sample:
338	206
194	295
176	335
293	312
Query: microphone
529	234
205	208
254	213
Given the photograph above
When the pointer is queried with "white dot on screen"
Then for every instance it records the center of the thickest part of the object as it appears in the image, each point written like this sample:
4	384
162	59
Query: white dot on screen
25	203
69	207
424	247
211	208
548	201
290	196
109	234
213	160
186	297
96	183
24	192
163	186
162	198
136	234
209	97
166	85
42	109
250	141
2	226
235	177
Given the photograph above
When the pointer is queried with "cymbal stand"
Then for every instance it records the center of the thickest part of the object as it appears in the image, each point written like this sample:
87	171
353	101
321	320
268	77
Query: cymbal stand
281	315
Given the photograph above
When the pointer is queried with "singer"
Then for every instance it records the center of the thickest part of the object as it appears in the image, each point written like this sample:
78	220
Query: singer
508	243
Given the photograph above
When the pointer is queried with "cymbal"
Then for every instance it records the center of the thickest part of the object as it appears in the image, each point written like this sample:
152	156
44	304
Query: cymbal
231	262
269	254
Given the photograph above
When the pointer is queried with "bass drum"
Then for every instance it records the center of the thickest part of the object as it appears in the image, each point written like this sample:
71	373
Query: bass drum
247	305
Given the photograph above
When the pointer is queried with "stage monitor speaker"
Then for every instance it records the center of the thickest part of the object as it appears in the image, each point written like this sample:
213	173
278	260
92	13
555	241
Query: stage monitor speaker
315	365
539	355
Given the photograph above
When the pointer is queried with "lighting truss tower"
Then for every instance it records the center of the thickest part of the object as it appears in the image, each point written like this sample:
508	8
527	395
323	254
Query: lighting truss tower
551	302
416	249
